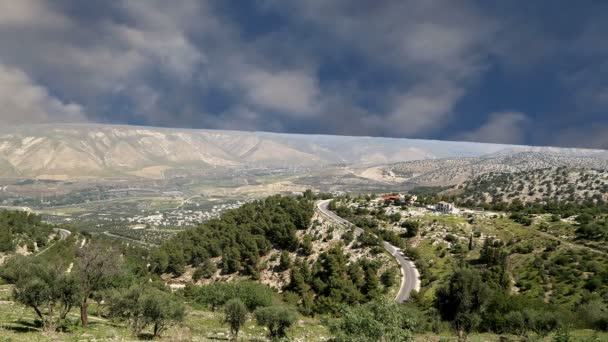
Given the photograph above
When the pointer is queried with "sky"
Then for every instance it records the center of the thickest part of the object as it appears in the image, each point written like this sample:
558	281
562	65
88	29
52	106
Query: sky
523	72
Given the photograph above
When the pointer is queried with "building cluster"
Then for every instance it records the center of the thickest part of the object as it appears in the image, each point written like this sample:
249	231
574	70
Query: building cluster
182	217
441	207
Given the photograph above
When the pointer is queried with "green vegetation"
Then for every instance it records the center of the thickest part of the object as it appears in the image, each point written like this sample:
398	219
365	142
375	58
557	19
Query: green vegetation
20	228
215	295
277	319
241	236
44	287
507	272
375	321
144	306
235	315
512	274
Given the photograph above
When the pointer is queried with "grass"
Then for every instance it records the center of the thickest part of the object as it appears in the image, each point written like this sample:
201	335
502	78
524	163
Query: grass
534	261
17	323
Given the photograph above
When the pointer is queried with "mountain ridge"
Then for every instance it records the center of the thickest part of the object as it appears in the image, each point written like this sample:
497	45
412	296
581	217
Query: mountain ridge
95	151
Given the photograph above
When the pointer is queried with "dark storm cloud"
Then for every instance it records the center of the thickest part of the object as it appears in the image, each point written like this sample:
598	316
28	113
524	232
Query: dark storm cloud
390	68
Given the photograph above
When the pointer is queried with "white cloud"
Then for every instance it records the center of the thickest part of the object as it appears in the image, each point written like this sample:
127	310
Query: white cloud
27	13
424	108
294	93
501	128
22	101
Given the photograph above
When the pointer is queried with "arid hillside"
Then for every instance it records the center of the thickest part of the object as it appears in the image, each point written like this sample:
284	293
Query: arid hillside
103	151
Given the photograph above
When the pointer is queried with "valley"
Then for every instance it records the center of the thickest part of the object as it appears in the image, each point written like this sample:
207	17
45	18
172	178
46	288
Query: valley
316	230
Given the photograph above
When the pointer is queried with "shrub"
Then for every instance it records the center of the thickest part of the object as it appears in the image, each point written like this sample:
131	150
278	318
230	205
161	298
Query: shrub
276	318
235	314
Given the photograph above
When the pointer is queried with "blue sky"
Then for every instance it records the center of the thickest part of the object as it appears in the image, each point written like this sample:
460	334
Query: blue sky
530	72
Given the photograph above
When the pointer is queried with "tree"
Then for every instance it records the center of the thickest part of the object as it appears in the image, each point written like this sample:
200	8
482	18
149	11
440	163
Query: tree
371	284
285	261
388	277
412	228
231	260
396	217
463	299
306	245
147	305
252	294
160	309
235	314
96	265
205	270
43	286
375	321
276	318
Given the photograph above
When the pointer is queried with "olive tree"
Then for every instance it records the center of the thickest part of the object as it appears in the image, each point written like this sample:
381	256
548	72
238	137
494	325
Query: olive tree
276	318
43	286
144	306
235	314
97	263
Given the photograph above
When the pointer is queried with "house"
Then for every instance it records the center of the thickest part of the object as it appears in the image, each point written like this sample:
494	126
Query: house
398	197
444	207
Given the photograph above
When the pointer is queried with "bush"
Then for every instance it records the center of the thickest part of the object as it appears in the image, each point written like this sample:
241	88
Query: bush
252	294
412	228
276	318
285	261
144	306
375	321
235	314
388	277
205	270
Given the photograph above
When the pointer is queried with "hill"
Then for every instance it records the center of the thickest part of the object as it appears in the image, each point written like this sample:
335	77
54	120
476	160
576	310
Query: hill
559	184
451	171
105	151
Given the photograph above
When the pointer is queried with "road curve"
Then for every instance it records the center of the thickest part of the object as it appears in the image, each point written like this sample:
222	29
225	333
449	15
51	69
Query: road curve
63	234
410	278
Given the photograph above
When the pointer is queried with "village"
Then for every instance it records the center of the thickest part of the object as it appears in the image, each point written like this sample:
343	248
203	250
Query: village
178	217
442	224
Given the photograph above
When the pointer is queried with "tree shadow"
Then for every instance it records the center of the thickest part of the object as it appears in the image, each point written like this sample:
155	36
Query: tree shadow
20	329
145	336
23	326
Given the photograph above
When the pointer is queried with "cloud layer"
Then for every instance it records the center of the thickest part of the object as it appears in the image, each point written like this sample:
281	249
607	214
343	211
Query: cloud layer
452	69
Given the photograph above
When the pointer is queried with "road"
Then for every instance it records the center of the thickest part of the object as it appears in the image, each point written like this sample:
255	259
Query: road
129	239
63	234
410	278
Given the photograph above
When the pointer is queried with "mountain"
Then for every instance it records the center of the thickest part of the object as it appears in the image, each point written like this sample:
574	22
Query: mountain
98	151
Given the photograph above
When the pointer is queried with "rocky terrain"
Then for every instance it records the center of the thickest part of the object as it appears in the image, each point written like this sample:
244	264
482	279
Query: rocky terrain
451	171
551	184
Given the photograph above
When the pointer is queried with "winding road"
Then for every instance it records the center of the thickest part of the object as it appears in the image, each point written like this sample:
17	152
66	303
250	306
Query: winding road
410	278
63	234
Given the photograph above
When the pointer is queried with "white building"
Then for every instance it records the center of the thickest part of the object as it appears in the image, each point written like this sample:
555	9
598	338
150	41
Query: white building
444	207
